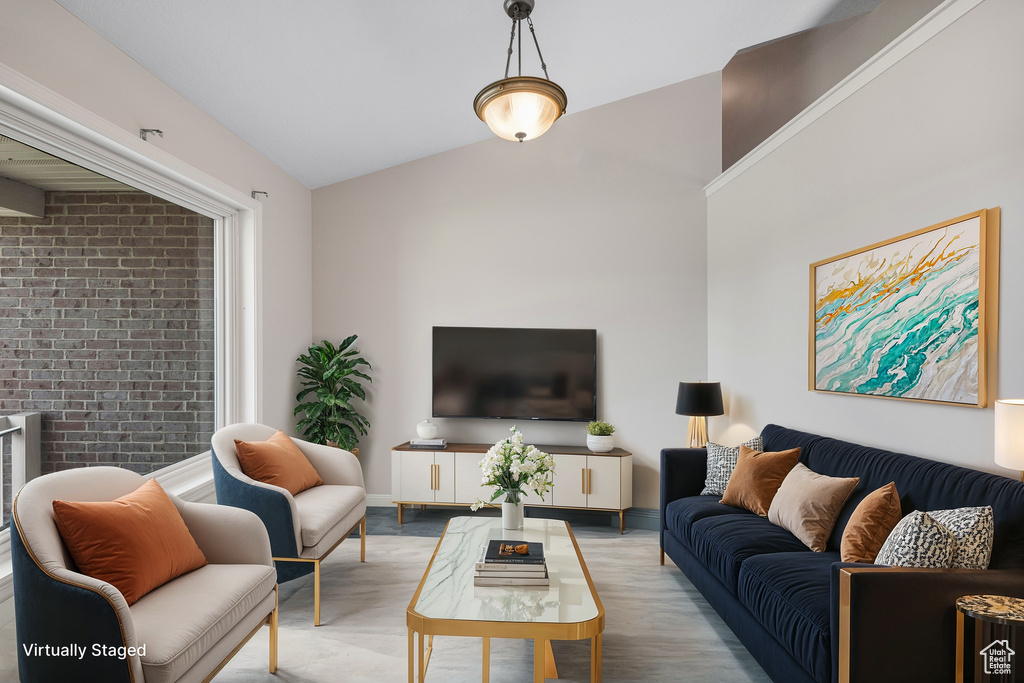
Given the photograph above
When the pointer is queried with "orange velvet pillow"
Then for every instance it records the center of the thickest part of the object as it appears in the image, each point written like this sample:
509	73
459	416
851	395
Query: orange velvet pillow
872	521
757	477
136	543
277	461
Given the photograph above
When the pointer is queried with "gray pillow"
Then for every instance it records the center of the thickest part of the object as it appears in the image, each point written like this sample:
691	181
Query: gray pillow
972	529
721	463
917	541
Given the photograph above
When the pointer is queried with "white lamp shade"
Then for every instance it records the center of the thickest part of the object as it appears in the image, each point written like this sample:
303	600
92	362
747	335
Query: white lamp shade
528	113
1009	433
521	107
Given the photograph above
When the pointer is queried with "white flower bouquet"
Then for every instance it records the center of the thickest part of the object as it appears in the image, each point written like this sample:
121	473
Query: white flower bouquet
510	467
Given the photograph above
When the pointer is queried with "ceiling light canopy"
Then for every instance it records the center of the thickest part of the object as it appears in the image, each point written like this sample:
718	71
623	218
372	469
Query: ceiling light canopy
522	107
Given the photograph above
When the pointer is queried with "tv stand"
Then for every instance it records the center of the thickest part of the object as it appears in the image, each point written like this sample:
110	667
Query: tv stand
583	480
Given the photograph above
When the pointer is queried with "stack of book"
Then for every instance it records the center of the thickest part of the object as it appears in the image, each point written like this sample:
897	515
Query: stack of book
511	563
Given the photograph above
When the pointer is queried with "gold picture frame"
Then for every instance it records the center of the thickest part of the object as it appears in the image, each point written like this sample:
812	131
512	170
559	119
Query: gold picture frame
911	317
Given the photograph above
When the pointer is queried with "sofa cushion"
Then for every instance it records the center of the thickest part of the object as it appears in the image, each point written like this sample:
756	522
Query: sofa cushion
721	463
918	541
789	594
321	508
972	535
681	513
808	503
870	524
724	542
135	543
277	461
183	619
757	478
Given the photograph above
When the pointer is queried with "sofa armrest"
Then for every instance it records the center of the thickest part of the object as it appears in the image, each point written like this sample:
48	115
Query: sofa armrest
227	535
892	623
334	465
683	471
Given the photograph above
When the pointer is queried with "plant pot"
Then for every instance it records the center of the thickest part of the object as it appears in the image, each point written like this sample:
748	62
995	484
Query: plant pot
600	444
354	451
512	515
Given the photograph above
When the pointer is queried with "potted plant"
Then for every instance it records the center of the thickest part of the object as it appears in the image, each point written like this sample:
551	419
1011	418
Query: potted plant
599	436
331	380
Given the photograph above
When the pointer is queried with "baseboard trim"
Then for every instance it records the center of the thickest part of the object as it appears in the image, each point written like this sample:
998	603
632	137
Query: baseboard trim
643	518
379	500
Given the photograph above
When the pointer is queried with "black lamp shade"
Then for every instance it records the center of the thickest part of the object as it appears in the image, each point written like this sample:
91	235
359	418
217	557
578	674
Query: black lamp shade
699	398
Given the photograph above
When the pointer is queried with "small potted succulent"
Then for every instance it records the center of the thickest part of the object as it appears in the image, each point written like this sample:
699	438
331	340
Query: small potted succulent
599	436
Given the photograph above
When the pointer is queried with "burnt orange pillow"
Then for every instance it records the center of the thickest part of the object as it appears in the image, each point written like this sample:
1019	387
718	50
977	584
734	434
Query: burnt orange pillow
277	461
136	543
757	477
870	524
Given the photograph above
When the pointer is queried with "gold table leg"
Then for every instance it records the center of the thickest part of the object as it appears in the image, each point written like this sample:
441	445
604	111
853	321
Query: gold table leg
595	659
550	670
959	647
412	651
422	664
538	660
486	676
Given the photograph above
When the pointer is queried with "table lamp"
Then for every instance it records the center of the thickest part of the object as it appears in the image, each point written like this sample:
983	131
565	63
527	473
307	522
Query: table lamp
699	400
1009	428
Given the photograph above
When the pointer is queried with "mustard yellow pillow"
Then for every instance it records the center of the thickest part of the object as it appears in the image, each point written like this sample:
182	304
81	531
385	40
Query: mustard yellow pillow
136	543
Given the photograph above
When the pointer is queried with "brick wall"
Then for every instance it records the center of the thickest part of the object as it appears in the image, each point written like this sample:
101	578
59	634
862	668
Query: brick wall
106	328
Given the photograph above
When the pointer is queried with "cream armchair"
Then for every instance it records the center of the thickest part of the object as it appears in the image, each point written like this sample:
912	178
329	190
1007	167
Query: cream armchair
185	630
304	528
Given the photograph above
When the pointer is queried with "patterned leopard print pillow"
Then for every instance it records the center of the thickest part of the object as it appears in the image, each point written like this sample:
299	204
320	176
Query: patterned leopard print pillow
721	463
917	541
972	529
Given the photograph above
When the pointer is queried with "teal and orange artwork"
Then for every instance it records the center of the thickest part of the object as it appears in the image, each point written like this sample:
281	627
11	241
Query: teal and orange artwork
903	318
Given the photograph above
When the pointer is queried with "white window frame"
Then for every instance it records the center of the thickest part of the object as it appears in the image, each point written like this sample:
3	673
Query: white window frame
37	116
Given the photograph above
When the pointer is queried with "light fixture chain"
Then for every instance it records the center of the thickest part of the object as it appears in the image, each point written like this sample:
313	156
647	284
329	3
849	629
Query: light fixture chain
537	44
511	41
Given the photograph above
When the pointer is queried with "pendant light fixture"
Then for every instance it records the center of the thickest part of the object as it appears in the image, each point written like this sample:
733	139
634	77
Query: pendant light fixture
522	107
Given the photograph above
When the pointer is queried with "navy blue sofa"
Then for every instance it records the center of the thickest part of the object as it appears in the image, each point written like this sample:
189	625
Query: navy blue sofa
807	617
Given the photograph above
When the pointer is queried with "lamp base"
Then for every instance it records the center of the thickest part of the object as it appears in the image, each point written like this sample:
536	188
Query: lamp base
697	432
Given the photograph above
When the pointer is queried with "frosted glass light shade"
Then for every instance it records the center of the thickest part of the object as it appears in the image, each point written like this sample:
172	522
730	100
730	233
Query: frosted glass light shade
520	108
1009	433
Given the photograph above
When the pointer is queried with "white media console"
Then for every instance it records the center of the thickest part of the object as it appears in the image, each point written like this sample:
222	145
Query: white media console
583	480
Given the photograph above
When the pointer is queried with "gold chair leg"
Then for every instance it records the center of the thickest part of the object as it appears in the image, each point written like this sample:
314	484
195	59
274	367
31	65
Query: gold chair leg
362	539
273	633
316	593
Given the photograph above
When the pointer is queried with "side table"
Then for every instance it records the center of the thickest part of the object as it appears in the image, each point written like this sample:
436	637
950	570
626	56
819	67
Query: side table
986	639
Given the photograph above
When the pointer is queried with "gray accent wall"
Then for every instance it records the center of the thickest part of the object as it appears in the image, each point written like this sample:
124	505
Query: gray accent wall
935	136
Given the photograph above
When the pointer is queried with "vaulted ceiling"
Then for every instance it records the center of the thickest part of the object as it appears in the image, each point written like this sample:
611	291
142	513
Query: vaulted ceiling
333	89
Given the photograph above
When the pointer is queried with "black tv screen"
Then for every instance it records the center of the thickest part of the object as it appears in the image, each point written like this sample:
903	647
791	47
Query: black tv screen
515	373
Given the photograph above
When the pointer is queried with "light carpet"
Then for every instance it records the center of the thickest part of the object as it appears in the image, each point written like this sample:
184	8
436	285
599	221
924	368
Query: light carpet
657	626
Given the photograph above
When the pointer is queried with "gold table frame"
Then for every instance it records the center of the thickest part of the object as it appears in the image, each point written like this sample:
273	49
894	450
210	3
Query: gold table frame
541	633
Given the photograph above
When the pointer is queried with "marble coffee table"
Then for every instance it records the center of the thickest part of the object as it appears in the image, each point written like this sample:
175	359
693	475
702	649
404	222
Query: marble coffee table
446	603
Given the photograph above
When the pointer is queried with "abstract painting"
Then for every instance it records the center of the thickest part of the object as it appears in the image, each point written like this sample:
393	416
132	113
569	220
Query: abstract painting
904	318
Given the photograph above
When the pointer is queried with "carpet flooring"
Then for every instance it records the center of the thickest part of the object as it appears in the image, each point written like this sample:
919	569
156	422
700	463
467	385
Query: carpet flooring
657	626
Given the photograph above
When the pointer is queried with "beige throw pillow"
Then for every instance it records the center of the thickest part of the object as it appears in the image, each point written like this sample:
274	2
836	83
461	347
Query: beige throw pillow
807	504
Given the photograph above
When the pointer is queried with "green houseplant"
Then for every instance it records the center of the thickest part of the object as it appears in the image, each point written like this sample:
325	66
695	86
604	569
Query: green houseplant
331	380
599	436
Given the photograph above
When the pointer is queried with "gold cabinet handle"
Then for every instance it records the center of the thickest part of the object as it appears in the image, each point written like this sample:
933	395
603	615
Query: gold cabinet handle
589	474
433	477
583	481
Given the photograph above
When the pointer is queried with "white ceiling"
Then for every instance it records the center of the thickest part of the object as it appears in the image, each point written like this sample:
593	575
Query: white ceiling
334	89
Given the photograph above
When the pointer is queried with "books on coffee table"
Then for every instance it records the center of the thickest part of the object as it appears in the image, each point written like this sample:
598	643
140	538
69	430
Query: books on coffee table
511	563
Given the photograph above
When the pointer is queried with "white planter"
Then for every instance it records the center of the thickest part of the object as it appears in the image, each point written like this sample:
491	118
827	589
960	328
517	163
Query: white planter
600	444
512	515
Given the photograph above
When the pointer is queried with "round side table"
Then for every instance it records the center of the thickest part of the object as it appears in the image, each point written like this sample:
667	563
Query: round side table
986	639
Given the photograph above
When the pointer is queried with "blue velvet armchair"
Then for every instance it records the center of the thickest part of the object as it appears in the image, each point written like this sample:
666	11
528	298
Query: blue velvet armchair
303	528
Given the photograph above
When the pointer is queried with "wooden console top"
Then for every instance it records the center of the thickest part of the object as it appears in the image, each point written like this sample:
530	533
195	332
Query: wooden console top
483	447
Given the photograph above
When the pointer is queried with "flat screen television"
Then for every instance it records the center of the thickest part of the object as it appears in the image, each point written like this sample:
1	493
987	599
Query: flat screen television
515	373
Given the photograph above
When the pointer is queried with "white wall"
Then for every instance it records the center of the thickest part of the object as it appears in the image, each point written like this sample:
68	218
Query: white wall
598	224
46	43
936	136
